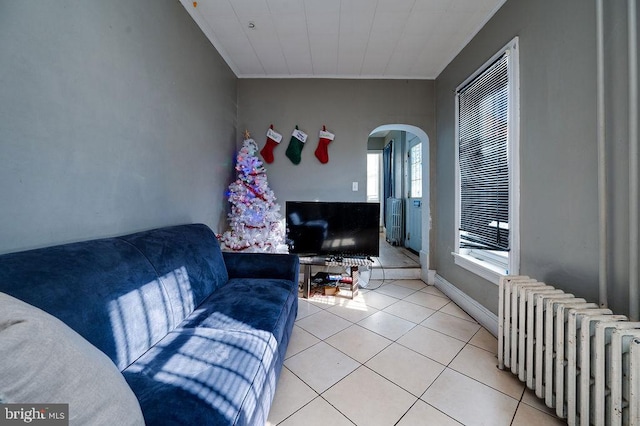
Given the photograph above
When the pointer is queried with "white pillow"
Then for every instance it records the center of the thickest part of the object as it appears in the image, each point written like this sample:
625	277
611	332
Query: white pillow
43	361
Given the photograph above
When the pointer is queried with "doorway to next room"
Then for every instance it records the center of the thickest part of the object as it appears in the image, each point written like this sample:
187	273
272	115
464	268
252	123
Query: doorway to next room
396	179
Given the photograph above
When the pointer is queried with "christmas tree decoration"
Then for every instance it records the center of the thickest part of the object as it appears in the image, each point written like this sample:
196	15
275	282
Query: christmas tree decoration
255	220
322	151
273	139
294	150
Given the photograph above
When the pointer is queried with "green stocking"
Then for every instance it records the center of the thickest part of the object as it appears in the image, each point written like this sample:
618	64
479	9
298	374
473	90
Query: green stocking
294	150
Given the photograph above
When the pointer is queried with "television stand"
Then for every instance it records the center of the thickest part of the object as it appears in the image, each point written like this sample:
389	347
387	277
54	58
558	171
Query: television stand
352	262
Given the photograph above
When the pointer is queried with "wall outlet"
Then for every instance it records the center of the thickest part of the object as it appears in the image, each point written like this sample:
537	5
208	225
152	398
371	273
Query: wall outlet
354	186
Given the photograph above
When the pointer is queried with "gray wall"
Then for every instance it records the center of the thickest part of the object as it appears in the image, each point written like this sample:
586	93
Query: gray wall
115	116
376	143
351	109
559	210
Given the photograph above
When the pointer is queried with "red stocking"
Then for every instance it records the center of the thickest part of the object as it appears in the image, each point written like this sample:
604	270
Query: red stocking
322	151
273	139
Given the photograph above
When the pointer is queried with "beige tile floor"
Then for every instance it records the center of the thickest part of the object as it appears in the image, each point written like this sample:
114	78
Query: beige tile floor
401	354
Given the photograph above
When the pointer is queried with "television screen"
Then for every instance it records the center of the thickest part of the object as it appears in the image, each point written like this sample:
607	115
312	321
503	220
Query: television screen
340	229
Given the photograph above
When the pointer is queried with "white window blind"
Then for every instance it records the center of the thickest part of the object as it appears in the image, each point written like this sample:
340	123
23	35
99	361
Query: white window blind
483	159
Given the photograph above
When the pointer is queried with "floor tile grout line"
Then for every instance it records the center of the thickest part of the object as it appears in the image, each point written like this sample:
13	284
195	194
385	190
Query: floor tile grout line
409	301
304	405
425	402
519	401
381	376
391	313
388	313
418	397
405	347
445	334
483	383
394	340
363	364
427	389
478	346
396	384
309	347
336	408
456	317
448	366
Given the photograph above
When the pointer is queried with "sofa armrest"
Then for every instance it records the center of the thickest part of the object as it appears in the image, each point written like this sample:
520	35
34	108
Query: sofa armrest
262	265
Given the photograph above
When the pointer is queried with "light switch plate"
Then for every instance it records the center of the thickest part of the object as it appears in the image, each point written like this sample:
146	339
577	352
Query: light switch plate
354	186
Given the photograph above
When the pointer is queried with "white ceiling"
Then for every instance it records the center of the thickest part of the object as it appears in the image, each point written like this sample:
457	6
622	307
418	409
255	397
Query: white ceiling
390	39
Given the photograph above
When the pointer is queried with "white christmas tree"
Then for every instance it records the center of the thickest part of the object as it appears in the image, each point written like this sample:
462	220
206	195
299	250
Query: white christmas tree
255	220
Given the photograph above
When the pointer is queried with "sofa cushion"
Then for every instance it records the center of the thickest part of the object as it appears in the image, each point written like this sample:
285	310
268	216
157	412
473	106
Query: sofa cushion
103	289
248	304
188	260
206	376
44	361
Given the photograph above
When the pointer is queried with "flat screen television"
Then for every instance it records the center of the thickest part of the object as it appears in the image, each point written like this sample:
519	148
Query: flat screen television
333	229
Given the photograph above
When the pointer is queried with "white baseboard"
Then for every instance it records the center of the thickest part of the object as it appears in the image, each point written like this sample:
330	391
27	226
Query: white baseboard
424	267
478	312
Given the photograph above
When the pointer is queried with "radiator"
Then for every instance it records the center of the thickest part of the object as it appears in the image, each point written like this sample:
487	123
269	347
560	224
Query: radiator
394	221
583	360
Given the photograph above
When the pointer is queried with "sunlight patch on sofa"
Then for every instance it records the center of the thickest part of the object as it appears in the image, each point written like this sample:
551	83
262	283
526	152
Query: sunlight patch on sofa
204	318
139	321
178	286
221	367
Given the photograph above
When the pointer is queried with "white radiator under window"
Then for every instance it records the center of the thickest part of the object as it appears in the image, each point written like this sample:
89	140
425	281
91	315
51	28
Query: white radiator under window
583	360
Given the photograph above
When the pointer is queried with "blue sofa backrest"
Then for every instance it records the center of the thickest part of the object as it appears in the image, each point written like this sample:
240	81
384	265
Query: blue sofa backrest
188	261
97	288
122	294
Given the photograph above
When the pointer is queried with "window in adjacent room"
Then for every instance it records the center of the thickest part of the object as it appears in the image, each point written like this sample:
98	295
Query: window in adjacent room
373	176
487	178
415	169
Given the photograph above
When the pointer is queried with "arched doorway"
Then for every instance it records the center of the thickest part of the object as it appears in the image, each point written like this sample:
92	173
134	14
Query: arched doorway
416	198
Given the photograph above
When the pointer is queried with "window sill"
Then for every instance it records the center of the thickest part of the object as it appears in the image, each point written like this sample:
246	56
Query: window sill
481	268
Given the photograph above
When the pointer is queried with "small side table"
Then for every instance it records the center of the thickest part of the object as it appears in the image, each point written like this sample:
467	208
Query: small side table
353	263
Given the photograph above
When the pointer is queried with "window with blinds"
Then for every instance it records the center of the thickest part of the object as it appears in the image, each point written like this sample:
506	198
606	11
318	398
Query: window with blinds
482	156
487	166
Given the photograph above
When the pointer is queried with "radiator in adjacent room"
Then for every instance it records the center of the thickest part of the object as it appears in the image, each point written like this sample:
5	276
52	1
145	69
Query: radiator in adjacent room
583	360
394	221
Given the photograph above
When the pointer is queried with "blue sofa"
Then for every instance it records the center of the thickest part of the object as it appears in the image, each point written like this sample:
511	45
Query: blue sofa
199	334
